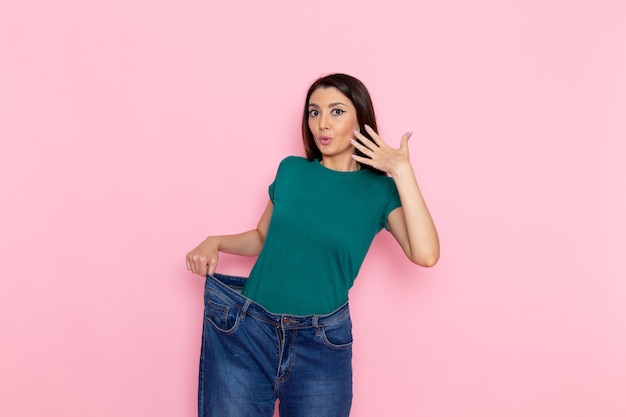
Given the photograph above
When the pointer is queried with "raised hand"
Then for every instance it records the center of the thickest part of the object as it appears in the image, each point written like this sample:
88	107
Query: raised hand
380	155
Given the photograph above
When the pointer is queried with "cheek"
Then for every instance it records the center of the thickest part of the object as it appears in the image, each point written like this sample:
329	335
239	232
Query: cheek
349	127
353	123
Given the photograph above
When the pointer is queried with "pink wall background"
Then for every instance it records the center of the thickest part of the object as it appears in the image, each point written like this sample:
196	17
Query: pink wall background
129	130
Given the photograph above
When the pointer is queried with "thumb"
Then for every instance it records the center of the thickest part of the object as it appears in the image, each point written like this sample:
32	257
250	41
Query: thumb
212	266
404	142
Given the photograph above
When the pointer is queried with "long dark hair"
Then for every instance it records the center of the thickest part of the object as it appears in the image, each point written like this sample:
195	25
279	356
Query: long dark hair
358	95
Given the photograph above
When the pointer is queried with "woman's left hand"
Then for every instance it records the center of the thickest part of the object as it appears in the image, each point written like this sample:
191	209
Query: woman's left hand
380	155
411	224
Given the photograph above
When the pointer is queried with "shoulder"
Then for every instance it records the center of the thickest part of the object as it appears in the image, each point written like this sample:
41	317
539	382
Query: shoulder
293	162
384	187
384	181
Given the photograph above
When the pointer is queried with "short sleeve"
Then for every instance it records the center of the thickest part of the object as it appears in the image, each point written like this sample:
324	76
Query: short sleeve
271	190
392	202
272	187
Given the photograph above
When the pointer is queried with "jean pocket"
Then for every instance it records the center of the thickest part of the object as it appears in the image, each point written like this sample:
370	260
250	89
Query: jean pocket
338	336
222	316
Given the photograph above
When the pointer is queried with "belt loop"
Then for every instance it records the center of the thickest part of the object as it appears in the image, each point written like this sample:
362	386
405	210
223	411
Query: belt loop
244	310
316	324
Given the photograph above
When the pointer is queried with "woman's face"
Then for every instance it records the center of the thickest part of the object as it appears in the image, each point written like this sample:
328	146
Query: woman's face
332	120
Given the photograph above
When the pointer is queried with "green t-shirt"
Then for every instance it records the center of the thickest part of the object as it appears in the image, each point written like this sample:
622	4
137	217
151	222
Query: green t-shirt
322	226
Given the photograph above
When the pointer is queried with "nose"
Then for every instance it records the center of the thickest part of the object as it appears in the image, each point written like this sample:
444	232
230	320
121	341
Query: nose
324	121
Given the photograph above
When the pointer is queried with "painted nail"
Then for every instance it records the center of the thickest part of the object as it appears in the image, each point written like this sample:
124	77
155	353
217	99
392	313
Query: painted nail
410	134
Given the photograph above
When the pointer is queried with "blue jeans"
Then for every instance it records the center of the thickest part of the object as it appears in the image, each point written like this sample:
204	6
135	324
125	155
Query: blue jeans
251	357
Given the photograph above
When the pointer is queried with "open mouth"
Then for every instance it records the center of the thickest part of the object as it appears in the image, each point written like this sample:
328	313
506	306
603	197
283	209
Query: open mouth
325	140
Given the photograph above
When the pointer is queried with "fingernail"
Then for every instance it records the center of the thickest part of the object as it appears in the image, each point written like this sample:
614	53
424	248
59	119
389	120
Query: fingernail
410	134
355	132
352	141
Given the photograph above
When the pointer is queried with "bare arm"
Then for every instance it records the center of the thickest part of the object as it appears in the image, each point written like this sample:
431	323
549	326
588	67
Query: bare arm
411	225
203	259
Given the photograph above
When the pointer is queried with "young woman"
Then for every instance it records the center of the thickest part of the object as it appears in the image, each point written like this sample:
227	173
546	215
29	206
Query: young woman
285	332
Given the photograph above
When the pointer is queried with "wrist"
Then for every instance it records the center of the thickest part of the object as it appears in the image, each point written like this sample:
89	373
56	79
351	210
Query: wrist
213	242
401	169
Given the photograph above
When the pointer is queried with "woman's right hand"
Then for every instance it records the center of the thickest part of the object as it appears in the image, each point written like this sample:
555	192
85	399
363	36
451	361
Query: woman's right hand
203	259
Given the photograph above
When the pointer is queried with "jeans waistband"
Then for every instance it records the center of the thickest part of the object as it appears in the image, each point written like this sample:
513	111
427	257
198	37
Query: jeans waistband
228	288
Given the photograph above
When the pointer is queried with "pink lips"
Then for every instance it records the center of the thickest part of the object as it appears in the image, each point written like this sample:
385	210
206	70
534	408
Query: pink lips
325	140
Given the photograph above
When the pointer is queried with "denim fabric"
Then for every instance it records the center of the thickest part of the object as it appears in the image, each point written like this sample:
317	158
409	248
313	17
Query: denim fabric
251	357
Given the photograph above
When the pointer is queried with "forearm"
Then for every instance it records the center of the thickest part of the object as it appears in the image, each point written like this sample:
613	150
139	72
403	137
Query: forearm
421	233
203	259
248	243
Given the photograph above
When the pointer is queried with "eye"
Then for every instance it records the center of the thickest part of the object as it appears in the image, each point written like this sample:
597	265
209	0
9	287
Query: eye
337	112
313	113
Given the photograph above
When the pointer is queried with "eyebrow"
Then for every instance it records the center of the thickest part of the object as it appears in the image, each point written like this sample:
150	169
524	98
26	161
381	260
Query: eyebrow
337	103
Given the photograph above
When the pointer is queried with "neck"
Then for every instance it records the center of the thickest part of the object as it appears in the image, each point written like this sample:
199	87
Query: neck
343	165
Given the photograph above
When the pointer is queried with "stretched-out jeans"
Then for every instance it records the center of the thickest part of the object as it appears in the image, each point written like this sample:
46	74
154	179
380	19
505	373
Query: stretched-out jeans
251	357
